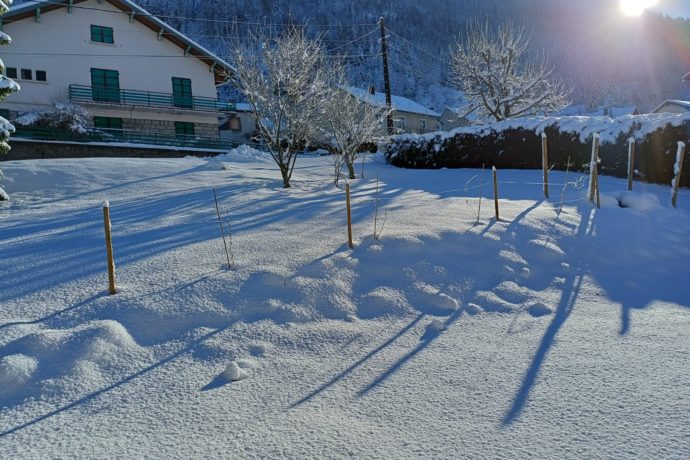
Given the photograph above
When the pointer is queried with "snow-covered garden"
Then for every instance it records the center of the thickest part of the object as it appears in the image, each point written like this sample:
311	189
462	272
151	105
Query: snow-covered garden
560	331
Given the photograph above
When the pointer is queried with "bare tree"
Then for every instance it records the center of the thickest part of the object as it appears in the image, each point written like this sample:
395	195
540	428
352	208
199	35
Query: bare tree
498	76
7	87
284	80
350	122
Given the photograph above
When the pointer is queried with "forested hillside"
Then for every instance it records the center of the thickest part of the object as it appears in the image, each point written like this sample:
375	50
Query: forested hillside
608	59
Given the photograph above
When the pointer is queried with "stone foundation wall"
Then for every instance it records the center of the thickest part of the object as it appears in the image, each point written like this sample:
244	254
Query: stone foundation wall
168	127
29	150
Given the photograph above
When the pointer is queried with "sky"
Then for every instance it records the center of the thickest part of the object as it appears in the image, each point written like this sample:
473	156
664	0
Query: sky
674	8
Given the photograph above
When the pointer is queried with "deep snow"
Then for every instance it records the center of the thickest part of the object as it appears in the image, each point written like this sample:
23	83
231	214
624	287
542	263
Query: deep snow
548	334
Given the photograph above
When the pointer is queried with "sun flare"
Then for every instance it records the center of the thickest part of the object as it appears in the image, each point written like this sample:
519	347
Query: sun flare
636	7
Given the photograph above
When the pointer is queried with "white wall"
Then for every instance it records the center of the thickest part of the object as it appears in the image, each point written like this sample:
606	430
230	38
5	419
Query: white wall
60	32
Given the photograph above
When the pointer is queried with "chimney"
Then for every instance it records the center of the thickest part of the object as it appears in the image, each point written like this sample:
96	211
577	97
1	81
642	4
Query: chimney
372	89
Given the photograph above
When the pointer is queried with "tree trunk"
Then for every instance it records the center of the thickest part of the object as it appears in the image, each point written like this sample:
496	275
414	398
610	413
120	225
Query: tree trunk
351	169
285	173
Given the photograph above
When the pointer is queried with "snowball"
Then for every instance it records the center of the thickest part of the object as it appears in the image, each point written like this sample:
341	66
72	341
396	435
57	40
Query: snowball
436	325
235	373
539	309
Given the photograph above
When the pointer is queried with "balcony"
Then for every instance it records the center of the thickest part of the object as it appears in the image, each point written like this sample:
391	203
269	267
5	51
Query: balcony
124	137
131	98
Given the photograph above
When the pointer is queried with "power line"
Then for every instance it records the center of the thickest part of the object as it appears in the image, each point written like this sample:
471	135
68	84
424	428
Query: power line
145	13
423	50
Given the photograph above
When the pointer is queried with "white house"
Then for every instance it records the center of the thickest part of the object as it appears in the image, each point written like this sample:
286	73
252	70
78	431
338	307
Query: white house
133	73
408	116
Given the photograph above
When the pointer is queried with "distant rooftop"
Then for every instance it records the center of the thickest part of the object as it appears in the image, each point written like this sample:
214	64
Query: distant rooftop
400	104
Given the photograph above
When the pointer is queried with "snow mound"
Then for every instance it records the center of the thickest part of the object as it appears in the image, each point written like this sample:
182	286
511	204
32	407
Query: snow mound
234	373
427	298
643	202
244	154
15	371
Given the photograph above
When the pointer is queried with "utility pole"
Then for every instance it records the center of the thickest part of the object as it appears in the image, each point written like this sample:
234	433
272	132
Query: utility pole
386	77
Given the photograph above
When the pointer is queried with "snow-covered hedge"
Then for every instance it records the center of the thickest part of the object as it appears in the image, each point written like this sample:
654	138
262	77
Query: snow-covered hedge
67	115
516	144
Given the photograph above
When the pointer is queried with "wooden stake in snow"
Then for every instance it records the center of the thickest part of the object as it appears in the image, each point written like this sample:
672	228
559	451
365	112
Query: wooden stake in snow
349	215
109	248
481	190
222	230
677	168
594	172
631	162
496	192
545	163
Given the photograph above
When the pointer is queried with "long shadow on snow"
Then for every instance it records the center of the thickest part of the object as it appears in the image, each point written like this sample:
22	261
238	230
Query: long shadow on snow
93	396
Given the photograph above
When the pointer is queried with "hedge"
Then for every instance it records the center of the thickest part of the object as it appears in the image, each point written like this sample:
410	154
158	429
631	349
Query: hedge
516	144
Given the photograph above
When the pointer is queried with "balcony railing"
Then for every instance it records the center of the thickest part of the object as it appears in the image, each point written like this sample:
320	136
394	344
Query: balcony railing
124	136
115	96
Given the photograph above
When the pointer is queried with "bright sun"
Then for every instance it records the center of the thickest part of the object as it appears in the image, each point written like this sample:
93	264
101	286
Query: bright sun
636	7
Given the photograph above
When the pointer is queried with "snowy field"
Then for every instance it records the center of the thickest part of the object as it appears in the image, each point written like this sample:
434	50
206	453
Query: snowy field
549	334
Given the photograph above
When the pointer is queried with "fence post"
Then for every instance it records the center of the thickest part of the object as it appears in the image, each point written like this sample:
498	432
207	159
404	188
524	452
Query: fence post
109	248
593	172
631	162
496	192
677	168
545	163
349	215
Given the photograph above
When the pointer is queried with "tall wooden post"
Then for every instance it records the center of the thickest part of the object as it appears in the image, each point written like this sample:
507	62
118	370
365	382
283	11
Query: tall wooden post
631	162
349	216
496	193
386	77
109	248
677	169
545	163
593	171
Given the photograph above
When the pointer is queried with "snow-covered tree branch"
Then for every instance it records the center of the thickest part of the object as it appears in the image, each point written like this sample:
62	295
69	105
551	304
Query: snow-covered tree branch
284	79
7	87
498	76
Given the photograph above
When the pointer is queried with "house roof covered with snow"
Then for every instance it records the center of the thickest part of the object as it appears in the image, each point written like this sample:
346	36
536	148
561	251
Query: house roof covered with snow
672	103
400	104
220	67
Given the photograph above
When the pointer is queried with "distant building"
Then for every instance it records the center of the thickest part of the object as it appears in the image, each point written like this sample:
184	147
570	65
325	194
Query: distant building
239	126
612	111
409	117
673	106
138	78
451	119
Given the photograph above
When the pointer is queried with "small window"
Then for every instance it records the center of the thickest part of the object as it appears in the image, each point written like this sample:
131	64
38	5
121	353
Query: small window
422	126
184	129
11	72
400	123
41	75
236	124
100	34
27	74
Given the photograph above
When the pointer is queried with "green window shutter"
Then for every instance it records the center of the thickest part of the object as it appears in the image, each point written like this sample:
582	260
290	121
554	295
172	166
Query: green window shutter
182	92
184	129
100	34
105	85
107	123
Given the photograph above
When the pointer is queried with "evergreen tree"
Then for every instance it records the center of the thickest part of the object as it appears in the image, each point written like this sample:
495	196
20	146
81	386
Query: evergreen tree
7	87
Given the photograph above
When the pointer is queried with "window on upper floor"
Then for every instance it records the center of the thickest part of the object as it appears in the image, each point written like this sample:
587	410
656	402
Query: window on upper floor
182	92
11	72
27	74
41	75
100	34
105	85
